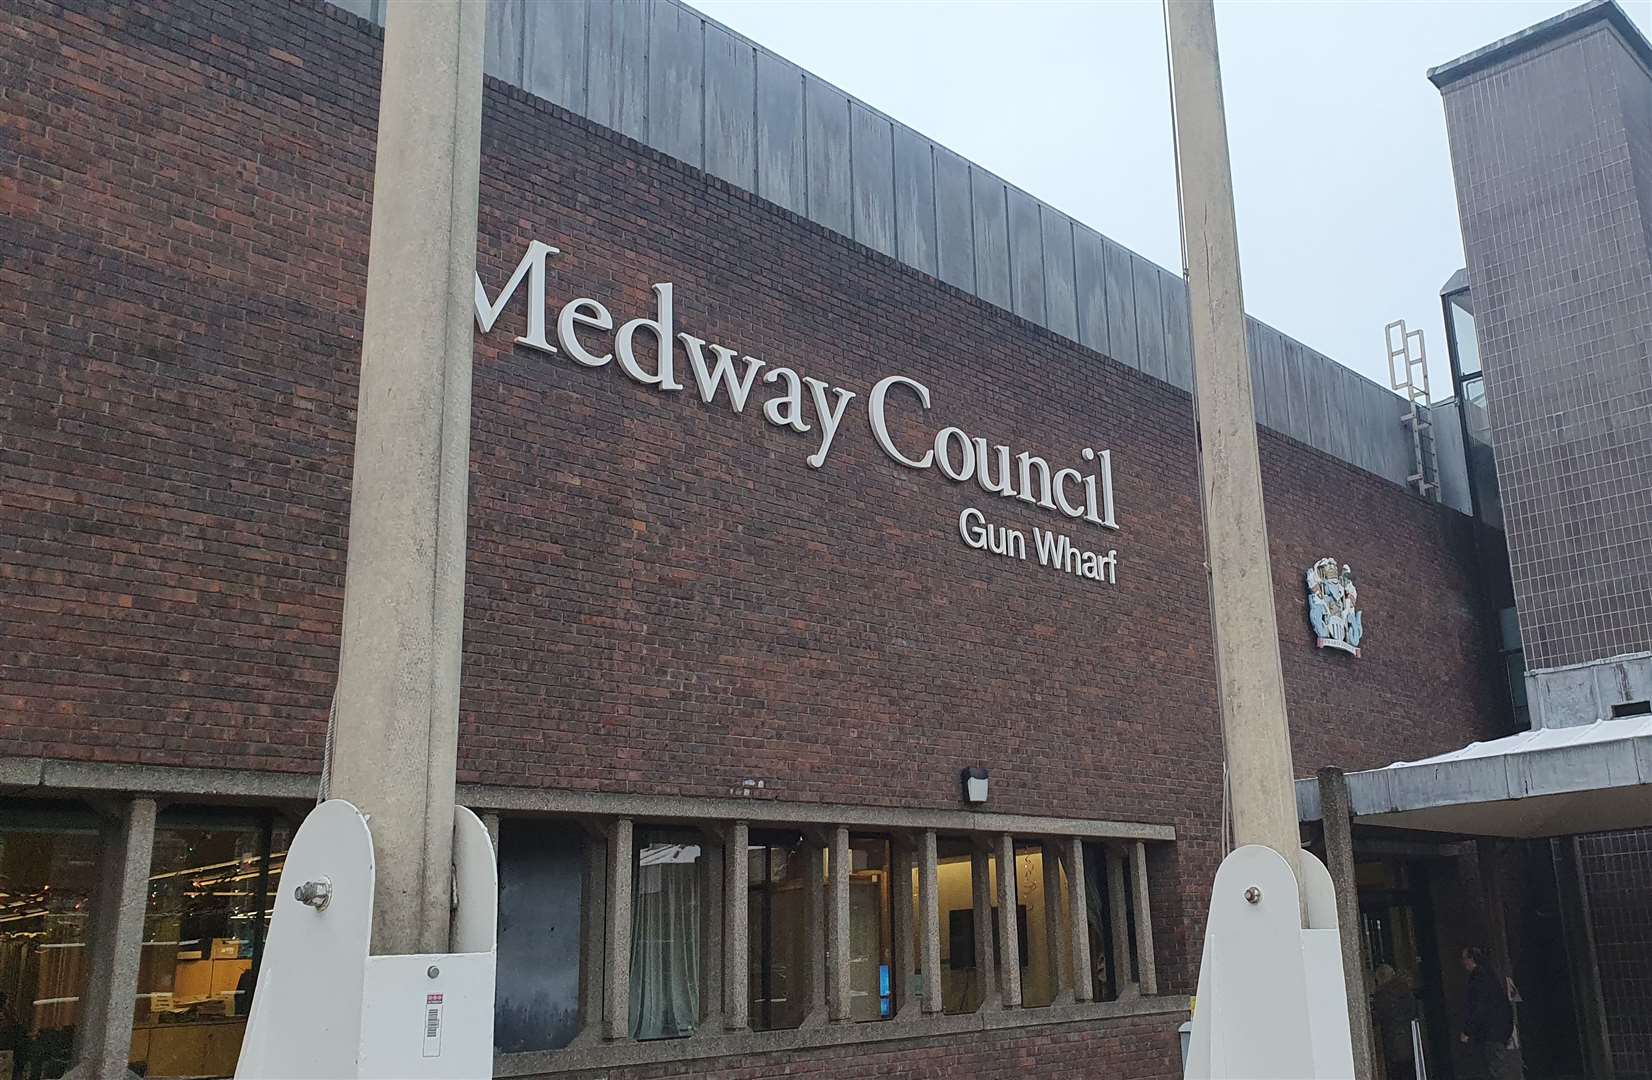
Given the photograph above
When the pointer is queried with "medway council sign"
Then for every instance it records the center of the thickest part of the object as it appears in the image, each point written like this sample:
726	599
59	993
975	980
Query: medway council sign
808	405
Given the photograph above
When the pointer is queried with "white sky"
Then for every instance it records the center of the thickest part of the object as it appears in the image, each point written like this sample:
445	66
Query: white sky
1342	178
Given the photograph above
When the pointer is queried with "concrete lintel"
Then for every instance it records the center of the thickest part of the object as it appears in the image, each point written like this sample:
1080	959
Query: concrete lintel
62	776
941	1027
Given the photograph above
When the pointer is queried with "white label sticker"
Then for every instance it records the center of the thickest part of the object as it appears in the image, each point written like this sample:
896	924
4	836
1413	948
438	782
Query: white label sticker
432	1025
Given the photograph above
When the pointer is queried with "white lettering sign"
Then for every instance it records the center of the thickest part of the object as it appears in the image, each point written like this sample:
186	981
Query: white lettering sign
812	406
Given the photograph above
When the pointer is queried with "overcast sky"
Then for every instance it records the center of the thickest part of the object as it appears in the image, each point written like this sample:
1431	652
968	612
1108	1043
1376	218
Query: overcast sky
1347	214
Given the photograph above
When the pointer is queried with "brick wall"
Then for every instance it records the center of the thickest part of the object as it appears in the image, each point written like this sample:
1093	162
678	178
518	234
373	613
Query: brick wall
663	596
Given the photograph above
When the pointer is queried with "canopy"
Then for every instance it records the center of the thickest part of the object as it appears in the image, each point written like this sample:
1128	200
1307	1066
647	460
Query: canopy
1546	782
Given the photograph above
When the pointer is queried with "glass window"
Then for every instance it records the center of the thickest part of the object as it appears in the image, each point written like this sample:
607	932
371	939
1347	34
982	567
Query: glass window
48	867
871	933
1462	333
962	985
1109	973
665	935
778	936
541	891
1037	978
211	887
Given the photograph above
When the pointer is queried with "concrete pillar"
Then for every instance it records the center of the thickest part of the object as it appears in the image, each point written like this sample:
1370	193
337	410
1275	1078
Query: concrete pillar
712	870
1078	906
1009	963
900	905
929	908
1147	970
837	922
396	737
1337	816
1251	689
980	882
1118	913
616	996
1055	931
814	920
736	928
103	1036
593	934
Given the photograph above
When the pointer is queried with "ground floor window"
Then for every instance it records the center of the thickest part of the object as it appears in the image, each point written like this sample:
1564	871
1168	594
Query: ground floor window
212	885
48	871
871	949
665	935
778	931
963	981
541	894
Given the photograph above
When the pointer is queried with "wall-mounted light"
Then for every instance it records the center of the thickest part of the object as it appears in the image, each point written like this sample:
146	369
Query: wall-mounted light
975	785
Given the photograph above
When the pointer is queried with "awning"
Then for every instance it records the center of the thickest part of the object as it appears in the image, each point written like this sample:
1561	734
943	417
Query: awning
1548	782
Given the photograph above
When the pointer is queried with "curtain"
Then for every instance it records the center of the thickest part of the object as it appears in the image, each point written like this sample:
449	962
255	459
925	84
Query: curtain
665	942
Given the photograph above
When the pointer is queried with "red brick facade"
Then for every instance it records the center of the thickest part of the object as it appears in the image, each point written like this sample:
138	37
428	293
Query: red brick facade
663	597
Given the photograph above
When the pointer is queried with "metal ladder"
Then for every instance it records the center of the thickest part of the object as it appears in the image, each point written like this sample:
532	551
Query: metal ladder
1408	374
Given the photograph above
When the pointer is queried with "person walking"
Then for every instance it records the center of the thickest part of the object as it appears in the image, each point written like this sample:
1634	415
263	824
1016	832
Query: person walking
1488	1019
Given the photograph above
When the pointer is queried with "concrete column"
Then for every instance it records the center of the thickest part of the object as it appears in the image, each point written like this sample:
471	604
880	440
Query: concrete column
1118	912
929	907
814	919
1055	932
712	870
980	883
837	921
103	1036
1009	963
736	928
900	905
616	995
593	934
1337	816
1251	688
1147	971
396	737
1078	906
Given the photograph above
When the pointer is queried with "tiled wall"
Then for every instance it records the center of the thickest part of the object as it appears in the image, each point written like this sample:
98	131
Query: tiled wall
666	75
1552	149
1617	871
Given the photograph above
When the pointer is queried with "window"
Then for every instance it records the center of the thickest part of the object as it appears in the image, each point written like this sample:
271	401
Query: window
871	934
778	933
963	985
1038	978
48	867
1465	343
541	889
211	887
665	935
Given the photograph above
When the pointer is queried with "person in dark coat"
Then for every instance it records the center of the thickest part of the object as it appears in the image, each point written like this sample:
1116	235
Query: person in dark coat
1488	1019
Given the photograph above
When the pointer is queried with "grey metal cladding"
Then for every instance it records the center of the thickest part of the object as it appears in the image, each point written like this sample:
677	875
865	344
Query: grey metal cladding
826	138
360	8
1121	304
954	221
1060	291
1026	234
1272	351
1090	270
1448	441
502	41
731	93
1149	317
1397	457
1362	427
1315	373
676	92
872	178
1296	390
782	165
915	185
553	53
1258	386
988	201
1178	334
617	86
